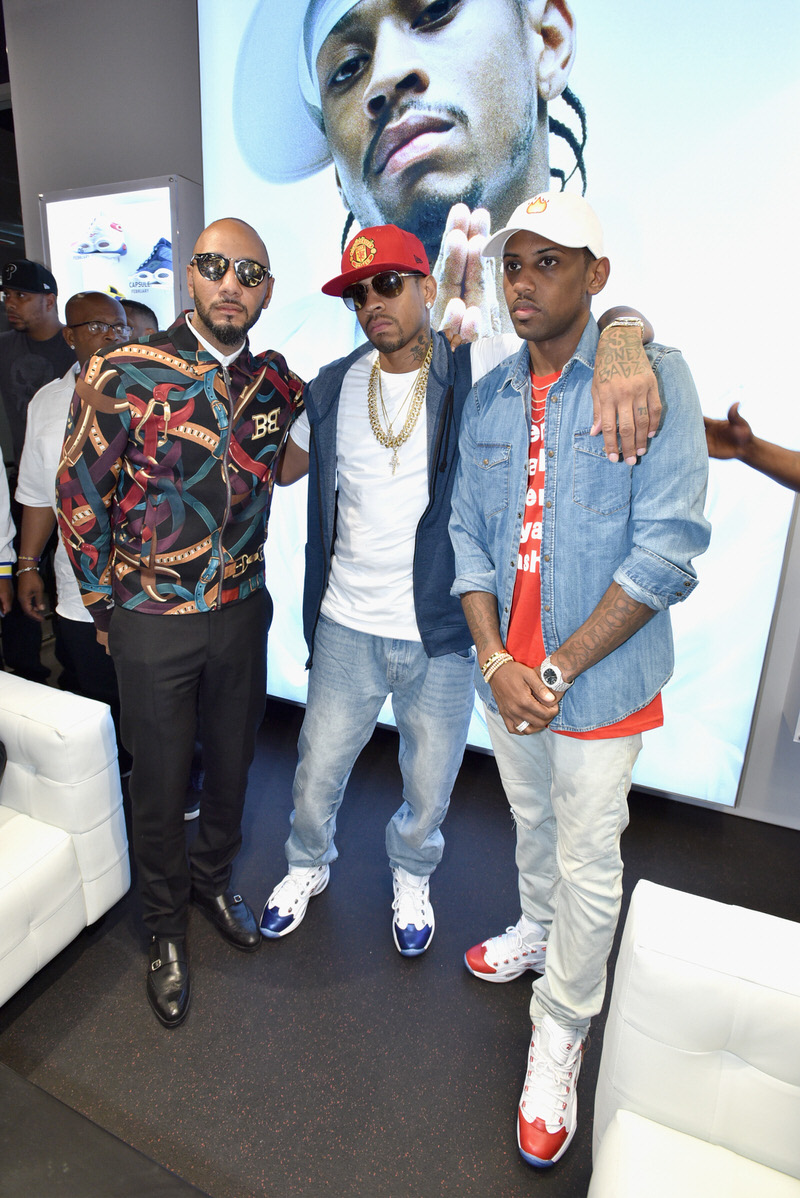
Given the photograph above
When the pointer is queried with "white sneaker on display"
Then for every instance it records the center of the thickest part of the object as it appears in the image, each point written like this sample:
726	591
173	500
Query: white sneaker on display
286	906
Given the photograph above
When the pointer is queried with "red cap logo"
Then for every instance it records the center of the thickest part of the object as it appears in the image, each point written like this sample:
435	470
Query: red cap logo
362	251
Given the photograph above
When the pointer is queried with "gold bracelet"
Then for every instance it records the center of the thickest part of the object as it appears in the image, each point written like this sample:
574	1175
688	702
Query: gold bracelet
626	322
503	660
494	657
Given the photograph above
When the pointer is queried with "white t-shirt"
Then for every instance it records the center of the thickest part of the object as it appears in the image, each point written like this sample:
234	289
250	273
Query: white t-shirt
370	587
38	467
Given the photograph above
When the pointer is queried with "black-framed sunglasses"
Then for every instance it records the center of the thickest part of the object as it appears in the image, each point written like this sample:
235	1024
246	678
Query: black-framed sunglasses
387	285
102	326
215	266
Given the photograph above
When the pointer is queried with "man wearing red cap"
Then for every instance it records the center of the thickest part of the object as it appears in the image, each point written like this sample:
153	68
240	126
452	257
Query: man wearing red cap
380	443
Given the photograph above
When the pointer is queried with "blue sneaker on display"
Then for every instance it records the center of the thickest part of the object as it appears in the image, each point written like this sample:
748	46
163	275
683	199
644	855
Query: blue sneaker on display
157	267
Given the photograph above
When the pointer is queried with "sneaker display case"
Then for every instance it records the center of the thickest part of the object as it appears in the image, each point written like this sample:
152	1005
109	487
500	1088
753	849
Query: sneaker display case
130	239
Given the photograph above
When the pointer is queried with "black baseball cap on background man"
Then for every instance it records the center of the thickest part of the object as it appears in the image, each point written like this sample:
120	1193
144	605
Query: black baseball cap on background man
24	275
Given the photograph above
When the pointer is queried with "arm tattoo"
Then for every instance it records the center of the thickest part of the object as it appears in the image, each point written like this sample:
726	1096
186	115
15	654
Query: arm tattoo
480	609
616	618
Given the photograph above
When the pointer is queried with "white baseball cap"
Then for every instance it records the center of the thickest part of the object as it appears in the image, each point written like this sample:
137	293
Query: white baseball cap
277	109
562	216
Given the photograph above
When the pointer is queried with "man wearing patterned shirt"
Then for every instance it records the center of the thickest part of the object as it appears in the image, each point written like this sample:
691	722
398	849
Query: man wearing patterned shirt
163	491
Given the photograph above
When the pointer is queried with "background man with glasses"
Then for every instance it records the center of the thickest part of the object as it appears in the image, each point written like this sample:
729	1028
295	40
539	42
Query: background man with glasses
164	489
95	321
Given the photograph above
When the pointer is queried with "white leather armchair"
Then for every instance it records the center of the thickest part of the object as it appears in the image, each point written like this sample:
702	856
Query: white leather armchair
63	845
699	1084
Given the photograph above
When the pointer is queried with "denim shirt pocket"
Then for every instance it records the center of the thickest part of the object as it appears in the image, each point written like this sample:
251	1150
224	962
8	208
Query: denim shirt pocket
492	460
599	485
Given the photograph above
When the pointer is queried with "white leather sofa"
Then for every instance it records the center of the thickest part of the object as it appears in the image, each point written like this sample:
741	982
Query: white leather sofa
63	845
699	1084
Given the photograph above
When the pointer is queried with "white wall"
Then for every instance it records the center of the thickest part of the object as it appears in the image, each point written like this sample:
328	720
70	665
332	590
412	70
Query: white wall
102	91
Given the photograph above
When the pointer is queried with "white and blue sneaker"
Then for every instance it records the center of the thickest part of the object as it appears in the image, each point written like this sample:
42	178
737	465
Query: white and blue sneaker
413	923
286	906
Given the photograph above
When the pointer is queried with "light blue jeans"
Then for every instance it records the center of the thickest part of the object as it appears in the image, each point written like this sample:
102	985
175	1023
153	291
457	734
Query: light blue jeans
432	699
569	799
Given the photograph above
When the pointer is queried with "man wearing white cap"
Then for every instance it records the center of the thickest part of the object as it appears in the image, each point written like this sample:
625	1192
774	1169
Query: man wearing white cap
416	106
566	564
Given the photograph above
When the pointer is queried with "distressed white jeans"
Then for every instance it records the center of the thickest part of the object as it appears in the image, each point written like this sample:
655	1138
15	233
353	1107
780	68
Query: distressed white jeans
569	799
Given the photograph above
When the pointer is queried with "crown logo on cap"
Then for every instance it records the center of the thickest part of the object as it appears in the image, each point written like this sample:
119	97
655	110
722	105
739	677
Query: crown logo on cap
362	251
538	204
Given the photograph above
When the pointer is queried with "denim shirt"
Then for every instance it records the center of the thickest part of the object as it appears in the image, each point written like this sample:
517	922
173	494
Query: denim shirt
639	526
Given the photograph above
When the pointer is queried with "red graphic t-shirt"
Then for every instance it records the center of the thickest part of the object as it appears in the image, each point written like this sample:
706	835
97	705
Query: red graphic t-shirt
524	641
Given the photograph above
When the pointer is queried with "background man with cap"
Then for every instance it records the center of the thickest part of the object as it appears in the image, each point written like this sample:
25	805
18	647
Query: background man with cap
32	352
566	565
163	495
379	440
94	322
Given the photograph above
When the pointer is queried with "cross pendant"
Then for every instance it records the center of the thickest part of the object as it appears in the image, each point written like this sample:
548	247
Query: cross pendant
395	461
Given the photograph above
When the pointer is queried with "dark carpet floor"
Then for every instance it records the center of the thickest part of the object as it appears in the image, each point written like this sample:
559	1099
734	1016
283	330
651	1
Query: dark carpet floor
326	1064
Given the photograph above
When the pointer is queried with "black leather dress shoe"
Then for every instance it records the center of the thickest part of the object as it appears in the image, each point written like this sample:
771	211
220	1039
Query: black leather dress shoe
232	917
168	986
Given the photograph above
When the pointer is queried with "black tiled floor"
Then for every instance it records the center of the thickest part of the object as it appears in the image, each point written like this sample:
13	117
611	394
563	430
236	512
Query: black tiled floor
326	1064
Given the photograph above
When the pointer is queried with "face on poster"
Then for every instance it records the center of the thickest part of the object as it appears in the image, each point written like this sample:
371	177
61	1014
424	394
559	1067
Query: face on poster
397	109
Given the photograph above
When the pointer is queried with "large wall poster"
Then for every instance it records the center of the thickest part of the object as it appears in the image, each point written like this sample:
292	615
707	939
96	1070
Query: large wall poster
691	164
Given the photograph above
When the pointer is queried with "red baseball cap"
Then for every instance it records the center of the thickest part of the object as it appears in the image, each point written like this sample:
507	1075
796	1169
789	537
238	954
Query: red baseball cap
384	247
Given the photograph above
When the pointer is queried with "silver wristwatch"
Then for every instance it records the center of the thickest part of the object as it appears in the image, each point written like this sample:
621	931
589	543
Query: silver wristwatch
551	676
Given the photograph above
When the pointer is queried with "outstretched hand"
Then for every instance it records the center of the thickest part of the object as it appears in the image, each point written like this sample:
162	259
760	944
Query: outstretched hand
727	438
466	306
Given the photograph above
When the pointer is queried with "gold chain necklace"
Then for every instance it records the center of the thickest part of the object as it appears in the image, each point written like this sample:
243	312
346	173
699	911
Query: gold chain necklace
388	437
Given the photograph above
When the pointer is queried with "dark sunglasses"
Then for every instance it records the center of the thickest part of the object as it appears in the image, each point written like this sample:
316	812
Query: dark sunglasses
214	267
387	285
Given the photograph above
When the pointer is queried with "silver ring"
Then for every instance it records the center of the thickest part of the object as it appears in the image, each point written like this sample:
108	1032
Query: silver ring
521	727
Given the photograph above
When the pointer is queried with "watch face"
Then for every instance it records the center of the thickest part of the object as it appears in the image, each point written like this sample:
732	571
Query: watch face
550	676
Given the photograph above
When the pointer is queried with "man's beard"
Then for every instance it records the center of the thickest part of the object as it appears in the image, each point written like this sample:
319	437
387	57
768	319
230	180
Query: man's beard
227	333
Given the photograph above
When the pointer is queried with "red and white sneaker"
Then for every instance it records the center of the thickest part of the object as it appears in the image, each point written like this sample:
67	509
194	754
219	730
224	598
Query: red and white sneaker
548	1108
505	957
